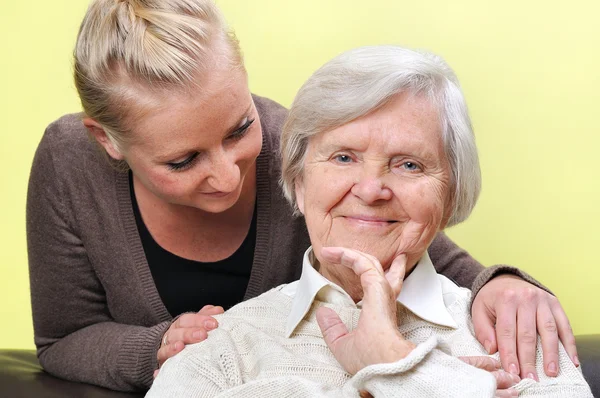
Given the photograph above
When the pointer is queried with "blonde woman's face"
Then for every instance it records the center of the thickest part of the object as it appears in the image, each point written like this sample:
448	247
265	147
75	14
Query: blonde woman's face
379	184
199	150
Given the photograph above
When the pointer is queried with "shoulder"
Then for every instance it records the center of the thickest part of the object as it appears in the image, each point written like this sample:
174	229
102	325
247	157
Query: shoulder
272	114
68	131
272	117
454	295
272	304
66	144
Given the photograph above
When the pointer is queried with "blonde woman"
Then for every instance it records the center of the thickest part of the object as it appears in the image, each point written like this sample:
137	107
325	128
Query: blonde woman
134	245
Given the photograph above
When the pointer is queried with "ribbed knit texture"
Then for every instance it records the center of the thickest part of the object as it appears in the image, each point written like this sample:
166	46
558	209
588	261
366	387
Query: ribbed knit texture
249	356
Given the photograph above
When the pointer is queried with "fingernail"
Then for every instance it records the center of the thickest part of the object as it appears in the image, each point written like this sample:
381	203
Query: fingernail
488	346
513	392
210	325
515	378
197	335
552	367
576	360
532	376
512	368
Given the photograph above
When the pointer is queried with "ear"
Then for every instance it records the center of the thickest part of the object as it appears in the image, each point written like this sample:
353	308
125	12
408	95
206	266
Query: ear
299	191
97	131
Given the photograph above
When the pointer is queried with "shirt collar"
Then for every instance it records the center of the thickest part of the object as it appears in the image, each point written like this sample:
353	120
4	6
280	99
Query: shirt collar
421	293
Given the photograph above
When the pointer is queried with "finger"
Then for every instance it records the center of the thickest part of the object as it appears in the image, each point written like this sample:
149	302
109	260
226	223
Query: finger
483	323
332	327
549	334
395	274
565	333
482	362
352	259
186	335
211	310
511	392
155	374
194	321
527	333
505	380
167	351
506	331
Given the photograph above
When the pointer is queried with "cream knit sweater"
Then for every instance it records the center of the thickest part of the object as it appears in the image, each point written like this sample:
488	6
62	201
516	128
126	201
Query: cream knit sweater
249	356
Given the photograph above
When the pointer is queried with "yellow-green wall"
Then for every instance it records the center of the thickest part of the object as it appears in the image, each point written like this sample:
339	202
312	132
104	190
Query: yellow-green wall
530	71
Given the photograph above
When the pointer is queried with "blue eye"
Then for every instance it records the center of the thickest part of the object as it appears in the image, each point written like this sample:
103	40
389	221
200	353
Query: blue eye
410	166
343	158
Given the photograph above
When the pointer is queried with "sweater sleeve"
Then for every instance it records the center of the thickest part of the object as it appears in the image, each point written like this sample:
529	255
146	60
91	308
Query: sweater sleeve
75	335
426	372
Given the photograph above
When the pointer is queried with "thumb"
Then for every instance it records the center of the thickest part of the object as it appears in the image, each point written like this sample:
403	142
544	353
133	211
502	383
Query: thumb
483	323
332	327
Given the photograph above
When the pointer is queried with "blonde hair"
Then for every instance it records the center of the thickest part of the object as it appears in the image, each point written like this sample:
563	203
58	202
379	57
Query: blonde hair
358	82
129	48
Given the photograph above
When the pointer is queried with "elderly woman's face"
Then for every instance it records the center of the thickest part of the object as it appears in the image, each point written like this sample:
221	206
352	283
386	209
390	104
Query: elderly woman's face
379	184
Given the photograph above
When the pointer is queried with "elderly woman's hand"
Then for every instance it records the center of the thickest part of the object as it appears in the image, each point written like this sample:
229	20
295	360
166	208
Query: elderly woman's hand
376	339
187	329
508	313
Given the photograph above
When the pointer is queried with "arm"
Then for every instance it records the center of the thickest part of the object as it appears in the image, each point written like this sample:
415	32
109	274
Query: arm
77	338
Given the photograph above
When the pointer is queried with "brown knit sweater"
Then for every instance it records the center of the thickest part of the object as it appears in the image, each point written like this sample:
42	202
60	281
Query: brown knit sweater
98	317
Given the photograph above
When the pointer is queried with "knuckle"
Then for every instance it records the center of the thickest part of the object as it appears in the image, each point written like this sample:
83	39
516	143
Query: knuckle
528	337
509	296
529	293
505	332
550	326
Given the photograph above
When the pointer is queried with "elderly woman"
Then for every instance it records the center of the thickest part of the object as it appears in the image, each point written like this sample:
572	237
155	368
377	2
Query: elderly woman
379	156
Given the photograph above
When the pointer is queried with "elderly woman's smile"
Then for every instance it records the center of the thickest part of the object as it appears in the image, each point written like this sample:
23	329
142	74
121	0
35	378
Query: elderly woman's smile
379	184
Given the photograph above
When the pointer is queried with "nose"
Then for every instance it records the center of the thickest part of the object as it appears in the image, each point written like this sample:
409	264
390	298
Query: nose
224	175
371	188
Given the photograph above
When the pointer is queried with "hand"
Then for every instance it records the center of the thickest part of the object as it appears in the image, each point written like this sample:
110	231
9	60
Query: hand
504	380
187	329
508	314
376	339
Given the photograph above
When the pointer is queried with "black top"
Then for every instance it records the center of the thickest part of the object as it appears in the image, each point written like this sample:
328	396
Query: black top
186	285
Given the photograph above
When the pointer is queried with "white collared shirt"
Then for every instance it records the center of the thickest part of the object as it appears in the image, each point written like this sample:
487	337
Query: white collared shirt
422	293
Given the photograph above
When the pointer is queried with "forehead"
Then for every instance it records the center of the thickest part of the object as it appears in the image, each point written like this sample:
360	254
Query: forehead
177	120
406	122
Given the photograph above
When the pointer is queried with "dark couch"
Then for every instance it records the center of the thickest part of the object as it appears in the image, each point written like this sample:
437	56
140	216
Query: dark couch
21	375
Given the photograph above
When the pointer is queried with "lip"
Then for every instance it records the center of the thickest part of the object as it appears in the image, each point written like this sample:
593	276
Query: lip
372	221
216	194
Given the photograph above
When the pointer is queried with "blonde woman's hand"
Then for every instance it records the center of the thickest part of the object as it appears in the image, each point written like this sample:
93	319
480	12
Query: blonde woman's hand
509	313
376	339
187	329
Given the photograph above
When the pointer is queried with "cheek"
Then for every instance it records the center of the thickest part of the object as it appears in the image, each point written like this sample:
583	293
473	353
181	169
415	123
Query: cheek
325	188
424	201
248	150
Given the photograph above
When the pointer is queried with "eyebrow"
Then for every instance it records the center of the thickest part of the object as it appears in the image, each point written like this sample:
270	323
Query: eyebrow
167	158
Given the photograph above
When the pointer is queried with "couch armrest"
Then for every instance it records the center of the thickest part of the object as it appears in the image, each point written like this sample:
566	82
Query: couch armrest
588	349
22	376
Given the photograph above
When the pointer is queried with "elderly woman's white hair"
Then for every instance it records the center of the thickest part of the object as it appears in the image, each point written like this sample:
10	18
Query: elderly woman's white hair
360	81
